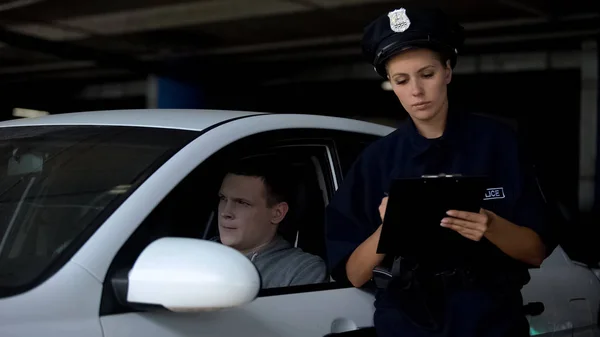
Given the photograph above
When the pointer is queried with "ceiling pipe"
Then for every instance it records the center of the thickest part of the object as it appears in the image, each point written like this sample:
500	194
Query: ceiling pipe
17	4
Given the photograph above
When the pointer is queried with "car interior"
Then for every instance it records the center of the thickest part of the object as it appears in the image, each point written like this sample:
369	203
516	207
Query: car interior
303	226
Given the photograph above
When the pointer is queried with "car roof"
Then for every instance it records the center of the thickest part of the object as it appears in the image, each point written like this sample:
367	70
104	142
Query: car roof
185	119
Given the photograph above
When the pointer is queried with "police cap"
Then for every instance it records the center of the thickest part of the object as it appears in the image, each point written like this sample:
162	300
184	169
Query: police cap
405	28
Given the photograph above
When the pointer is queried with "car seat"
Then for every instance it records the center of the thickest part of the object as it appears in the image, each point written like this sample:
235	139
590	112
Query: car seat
303	226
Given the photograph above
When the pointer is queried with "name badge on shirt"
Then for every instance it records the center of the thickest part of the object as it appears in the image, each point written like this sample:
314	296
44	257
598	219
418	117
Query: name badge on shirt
494	193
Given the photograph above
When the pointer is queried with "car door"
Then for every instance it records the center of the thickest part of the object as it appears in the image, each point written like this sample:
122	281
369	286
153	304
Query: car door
307	310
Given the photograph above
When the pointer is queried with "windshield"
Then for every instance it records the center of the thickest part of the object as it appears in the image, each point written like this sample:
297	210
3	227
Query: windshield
59	183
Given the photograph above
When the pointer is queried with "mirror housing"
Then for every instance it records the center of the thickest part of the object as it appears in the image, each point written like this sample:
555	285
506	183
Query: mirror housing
24	163
182	274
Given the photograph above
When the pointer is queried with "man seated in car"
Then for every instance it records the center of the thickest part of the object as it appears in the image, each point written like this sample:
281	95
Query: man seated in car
254	200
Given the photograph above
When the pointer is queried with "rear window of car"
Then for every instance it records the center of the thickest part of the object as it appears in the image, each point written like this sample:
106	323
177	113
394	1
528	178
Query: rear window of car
59	183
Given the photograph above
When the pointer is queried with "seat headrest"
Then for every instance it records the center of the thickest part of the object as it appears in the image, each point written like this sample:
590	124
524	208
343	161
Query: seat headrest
290	225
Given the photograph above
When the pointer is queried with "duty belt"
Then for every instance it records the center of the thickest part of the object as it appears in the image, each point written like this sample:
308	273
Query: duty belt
421	297
404	271
421	294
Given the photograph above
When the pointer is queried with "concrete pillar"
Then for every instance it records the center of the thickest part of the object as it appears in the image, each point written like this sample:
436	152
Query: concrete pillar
588	141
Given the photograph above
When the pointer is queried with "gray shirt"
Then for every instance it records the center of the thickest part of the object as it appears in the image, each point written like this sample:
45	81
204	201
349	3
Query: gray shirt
281	265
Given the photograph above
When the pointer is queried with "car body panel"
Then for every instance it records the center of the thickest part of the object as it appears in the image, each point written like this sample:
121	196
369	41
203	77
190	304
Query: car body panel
180	119
570	294
311	314
64	305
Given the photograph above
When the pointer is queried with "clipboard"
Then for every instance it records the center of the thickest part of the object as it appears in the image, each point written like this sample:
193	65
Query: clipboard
416	206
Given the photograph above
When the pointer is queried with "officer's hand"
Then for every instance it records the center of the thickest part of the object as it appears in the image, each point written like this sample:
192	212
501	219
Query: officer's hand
383	207
470	225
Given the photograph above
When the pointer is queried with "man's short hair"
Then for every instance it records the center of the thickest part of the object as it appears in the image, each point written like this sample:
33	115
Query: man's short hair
273	171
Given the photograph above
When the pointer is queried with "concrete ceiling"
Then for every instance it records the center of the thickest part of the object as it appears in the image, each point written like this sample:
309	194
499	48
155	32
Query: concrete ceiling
223	38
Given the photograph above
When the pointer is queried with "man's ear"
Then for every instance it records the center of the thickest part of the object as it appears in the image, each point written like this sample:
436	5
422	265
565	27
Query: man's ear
279	212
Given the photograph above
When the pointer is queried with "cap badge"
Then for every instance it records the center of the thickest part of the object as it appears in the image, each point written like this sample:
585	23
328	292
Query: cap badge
399	22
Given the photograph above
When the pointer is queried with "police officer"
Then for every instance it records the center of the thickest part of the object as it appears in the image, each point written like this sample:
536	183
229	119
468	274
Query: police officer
416	50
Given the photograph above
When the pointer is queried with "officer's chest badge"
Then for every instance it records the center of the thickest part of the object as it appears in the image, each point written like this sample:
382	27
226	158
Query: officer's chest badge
399	21
494	193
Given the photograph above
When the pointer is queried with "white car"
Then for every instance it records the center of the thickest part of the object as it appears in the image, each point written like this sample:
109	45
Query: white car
103	217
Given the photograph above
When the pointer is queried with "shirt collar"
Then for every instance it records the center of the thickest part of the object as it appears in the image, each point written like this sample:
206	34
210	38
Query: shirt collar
421	144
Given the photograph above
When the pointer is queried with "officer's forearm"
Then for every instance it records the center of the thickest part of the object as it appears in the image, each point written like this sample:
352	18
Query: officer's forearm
519	242
359	268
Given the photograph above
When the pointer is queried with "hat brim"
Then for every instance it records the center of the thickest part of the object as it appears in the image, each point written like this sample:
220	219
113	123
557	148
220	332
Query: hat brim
398	48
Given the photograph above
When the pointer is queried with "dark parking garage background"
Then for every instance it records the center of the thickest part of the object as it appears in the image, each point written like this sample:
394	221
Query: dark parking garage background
531	62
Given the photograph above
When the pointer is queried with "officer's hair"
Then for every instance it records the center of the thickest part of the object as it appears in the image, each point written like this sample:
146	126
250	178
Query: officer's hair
272	171
442	55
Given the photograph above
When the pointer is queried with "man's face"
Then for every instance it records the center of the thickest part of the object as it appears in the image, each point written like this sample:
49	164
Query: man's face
245	219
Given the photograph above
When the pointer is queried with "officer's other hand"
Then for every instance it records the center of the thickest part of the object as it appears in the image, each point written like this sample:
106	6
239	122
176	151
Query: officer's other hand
470	225
383	207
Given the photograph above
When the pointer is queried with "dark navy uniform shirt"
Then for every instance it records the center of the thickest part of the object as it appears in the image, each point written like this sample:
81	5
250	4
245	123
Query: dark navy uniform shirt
471	145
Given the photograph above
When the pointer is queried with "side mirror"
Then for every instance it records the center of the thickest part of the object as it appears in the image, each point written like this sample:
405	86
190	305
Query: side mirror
183	274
